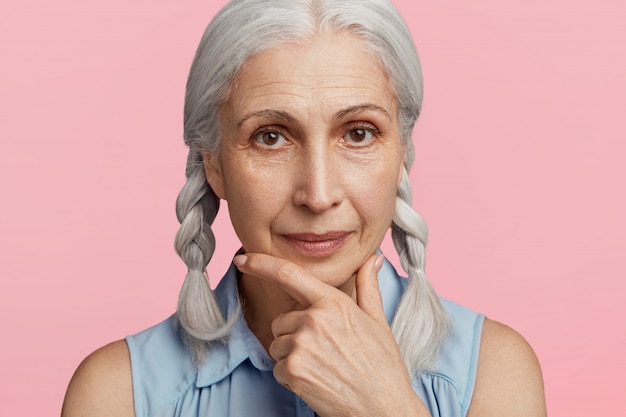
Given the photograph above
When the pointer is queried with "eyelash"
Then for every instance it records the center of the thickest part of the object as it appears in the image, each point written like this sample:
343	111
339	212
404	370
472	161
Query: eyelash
355	126
364	126
266	129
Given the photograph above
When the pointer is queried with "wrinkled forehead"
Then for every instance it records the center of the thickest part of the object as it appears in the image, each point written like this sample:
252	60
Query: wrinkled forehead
331	68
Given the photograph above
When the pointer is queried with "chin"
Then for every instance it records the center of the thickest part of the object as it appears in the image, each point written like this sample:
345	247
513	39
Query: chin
330	272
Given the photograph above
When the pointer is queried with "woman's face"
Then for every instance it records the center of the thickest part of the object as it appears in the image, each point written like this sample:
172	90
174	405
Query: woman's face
311	156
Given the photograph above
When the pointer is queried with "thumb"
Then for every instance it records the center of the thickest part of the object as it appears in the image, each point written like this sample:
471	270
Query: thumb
367	291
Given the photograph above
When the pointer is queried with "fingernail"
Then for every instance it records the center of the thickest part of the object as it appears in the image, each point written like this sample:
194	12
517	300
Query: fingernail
240	260
379	262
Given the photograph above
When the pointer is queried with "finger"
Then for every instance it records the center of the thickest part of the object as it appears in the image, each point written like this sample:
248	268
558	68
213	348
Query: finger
367	291
283	375
296	281
287	323
281	347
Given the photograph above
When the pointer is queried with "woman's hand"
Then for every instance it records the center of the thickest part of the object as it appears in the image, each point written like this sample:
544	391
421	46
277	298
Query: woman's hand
337	355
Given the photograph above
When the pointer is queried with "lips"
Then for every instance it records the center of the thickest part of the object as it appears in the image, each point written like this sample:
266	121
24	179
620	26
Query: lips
317	245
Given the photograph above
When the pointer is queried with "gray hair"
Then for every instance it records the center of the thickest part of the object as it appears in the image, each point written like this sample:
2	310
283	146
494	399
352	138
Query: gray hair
240	30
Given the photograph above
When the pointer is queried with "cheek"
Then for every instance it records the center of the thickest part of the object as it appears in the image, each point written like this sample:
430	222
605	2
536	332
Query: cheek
255	197
374	195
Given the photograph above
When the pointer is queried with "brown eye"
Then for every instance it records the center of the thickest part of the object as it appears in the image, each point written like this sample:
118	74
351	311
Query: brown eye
269	138
358	136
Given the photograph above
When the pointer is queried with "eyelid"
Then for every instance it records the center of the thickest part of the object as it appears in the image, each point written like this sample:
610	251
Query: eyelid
270	128
360	125
265	129
347	128
363	125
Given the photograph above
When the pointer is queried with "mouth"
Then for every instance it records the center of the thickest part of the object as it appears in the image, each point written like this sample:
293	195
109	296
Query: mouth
320	245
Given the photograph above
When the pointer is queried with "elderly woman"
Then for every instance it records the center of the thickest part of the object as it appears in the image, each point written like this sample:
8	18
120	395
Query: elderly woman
299	114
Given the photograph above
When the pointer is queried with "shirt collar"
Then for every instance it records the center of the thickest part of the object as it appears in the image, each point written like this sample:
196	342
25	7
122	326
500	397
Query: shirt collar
242	344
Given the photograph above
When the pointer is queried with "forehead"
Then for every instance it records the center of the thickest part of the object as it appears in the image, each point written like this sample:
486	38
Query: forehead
331	71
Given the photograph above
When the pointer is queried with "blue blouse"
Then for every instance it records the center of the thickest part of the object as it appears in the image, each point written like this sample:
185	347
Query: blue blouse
237	378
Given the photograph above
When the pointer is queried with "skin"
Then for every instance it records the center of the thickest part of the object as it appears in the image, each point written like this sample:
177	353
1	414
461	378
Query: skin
320	179
309	164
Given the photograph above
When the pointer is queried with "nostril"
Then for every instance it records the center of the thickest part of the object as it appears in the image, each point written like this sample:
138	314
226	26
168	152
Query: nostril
318	193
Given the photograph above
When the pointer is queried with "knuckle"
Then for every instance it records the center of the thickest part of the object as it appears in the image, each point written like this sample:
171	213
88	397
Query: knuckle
279	372
276	326
292	375
299	342
291	368
313	321
274	349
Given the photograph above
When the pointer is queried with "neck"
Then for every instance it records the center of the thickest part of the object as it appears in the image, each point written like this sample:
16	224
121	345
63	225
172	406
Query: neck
263	301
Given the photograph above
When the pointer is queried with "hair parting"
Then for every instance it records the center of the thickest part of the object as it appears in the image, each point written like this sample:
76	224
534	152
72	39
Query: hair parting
240	30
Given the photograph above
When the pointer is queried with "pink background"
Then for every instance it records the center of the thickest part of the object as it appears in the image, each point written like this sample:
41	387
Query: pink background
520	174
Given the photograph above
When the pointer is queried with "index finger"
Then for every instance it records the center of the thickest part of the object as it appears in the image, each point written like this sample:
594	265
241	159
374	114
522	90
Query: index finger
296	281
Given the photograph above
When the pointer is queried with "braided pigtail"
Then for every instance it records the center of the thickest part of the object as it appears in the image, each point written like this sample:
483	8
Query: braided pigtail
420	323
240	30
199	318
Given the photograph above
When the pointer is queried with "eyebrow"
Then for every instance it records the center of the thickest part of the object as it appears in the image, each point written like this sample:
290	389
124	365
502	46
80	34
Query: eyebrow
352	110
286	117
274	114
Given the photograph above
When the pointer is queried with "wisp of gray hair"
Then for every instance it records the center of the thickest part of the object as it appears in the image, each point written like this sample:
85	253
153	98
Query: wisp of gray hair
240	30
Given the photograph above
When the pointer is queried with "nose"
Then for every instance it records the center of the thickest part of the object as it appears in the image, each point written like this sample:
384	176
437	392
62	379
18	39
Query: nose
318	180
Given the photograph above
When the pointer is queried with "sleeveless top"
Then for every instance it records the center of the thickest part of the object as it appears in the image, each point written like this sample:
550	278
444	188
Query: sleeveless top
237	380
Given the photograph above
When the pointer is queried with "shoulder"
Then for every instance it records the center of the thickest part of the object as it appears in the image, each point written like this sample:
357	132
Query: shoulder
102	384
508	380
